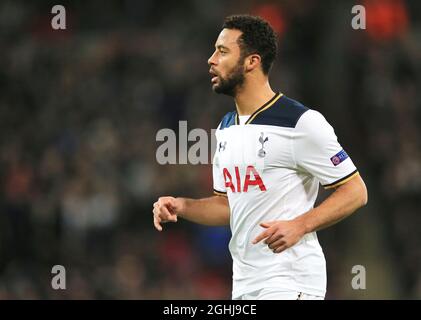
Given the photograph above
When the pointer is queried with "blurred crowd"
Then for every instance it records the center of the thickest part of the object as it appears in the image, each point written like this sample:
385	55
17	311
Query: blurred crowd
80	109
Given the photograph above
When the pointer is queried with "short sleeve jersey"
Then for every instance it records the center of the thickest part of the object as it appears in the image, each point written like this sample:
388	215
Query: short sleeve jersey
270	168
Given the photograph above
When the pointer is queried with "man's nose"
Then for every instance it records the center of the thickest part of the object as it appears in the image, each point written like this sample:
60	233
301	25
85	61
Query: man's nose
211	60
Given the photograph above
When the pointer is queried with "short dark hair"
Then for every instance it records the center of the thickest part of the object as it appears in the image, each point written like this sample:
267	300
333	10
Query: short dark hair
257	37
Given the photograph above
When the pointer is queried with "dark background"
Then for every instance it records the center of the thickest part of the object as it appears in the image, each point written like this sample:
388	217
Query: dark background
79	113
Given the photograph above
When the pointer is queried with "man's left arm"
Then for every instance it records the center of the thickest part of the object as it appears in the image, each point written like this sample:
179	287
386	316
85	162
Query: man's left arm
346	199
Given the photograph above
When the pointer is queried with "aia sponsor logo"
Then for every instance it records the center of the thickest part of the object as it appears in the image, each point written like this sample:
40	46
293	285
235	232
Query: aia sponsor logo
241	184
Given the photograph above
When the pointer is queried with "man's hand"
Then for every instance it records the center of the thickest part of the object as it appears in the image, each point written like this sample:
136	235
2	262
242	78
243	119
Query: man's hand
166	209
281	235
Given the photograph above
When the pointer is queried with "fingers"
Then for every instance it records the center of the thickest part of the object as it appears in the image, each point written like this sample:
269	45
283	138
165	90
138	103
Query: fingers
156	219
161	212
280	249
276	244
267	233
274	237
262	236
267	224
165	213
166	202
156	223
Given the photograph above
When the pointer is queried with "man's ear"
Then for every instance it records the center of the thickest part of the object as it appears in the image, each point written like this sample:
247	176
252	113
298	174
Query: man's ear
252	62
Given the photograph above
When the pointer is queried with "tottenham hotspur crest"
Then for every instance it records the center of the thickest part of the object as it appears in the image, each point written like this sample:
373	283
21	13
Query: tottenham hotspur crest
262	140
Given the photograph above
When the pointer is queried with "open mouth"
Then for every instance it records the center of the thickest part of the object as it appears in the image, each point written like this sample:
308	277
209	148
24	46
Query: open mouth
214	76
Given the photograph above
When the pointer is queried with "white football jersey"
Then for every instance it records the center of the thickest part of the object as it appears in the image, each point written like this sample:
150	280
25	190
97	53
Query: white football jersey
270	167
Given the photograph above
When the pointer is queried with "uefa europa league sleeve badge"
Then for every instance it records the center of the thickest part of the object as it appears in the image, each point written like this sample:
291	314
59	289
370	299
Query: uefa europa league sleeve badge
262	140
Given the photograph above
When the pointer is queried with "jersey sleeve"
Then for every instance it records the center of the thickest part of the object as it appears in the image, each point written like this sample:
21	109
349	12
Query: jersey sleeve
317	151
218	179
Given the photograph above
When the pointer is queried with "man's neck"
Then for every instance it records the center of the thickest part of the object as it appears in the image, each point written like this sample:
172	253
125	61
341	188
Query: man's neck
252	96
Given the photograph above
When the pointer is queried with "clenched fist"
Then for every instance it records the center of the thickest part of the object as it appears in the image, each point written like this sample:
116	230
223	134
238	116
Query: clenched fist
166	209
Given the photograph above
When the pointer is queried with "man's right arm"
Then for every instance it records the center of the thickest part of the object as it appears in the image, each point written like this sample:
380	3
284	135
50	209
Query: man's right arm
212	211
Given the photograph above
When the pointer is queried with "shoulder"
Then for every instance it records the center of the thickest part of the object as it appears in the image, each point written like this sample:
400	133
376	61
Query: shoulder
285	112
313	128
313	121
227	121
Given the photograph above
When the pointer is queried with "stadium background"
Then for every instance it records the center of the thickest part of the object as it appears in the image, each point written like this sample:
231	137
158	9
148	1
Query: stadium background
80	108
